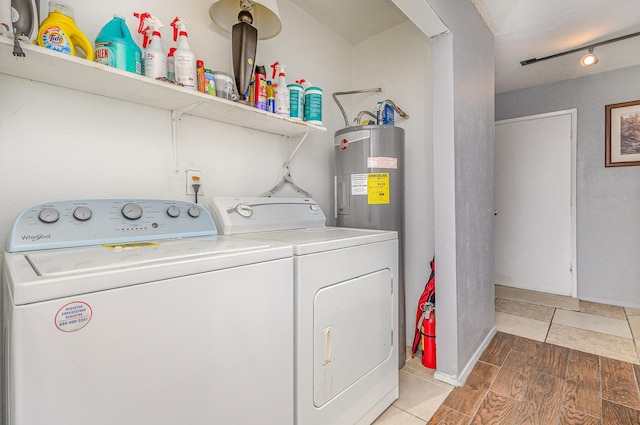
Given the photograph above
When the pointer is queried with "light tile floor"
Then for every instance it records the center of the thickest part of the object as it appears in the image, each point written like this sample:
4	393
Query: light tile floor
600	329
420	395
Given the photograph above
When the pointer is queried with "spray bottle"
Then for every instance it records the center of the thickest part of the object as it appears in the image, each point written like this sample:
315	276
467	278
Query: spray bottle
184	59
154	60
281	91
171	69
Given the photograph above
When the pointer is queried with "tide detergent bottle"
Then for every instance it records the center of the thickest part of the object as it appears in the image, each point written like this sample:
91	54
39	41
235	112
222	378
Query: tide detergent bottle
115	47
59	31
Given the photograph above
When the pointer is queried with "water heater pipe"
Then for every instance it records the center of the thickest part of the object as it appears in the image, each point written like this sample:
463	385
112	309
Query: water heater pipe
340	93
358	119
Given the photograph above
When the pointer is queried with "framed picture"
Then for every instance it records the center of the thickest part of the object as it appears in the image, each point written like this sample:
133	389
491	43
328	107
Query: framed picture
622	134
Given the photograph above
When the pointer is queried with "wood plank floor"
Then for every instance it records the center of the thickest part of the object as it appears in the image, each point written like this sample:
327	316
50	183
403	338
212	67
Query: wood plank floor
519	381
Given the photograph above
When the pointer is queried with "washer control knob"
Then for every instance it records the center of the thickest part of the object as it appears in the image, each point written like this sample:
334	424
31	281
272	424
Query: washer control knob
313	207
82	213
49	215
131	211
173	211
244	210
194	211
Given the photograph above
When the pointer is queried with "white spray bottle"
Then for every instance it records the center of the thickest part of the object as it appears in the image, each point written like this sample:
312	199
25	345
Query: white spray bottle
281	91
154	59
184	59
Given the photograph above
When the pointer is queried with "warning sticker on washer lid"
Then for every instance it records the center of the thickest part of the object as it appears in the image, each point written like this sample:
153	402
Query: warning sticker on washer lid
73	316
382	162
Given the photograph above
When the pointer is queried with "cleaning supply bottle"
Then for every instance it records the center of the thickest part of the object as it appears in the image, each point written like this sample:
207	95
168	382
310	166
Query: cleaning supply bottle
115	47
154	62
185	60
281	91
271	98
200	76
171	68
260	88
312	103
384	113
59	31
296	101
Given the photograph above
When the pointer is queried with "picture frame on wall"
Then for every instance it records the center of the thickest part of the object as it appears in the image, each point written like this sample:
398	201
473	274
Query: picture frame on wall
622	134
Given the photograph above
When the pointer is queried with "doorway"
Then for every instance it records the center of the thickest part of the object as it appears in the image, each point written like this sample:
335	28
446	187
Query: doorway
534	198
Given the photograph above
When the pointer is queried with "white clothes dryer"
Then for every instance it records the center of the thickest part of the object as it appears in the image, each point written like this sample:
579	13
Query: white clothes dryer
136	312
346	317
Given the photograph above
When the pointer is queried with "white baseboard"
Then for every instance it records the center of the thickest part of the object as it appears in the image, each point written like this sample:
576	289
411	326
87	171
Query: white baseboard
460	379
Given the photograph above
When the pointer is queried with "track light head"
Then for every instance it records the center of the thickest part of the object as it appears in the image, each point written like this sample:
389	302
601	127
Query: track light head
589	59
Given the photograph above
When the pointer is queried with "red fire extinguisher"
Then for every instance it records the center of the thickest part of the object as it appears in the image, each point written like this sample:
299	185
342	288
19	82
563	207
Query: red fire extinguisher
428	334
425	334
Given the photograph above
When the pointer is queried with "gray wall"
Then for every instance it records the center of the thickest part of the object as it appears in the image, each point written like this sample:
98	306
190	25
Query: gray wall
608	199
463	85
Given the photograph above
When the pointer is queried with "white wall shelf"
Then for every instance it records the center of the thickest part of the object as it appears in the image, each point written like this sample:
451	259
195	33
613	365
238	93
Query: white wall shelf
75	73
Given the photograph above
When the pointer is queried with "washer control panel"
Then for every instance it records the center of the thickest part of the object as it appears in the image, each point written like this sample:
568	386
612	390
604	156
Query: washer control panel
236	215
64	224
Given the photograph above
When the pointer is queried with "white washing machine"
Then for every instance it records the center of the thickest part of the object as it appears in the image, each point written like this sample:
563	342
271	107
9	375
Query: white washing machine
135	312
346	317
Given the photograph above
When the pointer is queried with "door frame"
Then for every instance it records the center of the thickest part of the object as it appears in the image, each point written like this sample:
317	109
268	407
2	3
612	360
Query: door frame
573	113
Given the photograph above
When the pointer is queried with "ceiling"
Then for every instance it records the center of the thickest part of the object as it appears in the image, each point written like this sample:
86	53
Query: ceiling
523	29
354	20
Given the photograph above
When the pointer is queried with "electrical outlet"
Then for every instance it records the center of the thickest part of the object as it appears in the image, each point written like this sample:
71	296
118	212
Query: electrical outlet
194	176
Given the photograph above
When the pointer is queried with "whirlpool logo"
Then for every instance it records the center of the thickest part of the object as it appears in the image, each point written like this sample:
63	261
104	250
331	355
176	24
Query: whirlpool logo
35	238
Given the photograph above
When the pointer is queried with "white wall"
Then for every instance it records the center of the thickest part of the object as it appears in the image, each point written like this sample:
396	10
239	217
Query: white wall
399	61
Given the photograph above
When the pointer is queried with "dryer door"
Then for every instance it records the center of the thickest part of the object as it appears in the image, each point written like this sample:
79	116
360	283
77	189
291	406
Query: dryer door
353	332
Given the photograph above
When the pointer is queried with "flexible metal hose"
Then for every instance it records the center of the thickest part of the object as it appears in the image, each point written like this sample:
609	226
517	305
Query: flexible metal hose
340	93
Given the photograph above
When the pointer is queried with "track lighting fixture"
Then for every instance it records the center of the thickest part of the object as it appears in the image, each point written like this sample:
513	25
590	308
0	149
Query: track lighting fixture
588	59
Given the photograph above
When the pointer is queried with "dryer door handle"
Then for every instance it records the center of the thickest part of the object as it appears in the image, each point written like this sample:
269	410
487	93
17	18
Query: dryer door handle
327	346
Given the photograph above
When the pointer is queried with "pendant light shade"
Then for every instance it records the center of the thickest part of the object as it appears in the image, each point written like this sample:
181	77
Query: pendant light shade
266	17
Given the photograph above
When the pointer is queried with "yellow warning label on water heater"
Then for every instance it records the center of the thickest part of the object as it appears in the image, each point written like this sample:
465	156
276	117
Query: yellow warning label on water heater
378	188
